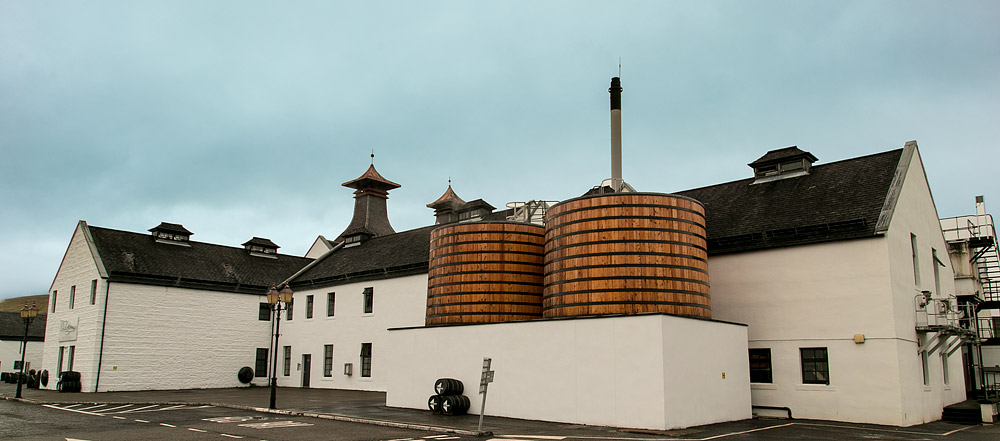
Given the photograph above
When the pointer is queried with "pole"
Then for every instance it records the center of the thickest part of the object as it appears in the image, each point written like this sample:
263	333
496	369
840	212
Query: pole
24	349
274	369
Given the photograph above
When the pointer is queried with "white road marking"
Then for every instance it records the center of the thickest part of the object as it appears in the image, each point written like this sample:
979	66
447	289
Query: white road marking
71	410
141	421
160	409
71	405
230	436
957	430
167	425
274	424
118	417
138	408
116	408
196	430
95	407
232	419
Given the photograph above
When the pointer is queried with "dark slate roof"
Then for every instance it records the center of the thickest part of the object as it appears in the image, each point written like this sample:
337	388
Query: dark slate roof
12	327
138	258
171	228
782	154
836	201
380	257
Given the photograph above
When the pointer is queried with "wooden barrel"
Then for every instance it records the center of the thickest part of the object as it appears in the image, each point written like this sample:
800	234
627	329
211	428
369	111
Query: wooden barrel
484	272
626	253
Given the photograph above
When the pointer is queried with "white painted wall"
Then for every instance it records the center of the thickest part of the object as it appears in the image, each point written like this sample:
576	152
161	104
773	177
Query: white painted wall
646	371
399	302
10	351
78	269
915	213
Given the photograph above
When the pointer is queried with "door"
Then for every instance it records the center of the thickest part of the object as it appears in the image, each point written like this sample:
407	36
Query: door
306	369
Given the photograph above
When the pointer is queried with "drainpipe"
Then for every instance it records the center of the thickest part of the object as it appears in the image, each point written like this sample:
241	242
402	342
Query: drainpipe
104	325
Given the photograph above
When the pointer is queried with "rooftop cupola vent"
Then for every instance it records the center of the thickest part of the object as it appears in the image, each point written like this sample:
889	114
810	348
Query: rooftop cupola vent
446	207
261	247
788	162
170	233
370	216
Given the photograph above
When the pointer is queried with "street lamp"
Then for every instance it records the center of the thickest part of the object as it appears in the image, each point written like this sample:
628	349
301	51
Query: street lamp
276	299
27	314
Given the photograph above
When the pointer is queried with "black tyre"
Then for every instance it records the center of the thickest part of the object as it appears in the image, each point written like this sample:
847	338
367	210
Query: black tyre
44	378
448	386
70	386
4	376
69	376
245	375
455	405
434	403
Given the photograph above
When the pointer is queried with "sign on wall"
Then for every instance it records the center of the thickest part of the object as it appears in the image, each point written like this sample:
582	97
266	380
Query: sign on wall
67	330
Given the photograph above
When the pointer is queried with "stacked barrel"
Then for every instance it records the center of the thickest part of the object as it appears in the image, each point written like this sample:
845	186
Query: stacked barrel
626	253
605	254
484	272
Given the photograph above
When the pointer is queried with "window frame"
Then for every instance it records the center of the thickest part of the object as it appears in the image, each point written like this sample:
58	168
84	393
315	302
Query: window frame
72	296
55	298
93	292
810	365
368	300
71	355
287	362
264	312
331	304
366	360
259	362
763	356
289	308
309	306
328	361
914	247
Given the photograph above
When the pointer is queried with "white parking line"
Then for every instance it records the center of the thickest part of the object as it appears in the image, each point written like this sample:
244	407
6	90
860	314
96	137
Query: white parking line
196	430
116	408
118	417
167	425
95	407
230	436
160	409
138	408
71	410
141	421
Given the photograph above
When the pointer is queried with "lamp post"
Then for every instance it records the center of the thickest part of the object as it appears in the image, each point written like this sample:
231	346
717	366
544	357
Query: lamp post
27	314
276	299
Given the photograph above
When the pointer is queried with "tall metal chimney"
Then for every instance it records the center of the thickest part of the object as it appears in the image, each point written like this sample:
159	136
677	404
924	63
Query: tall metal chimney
980	206
616	134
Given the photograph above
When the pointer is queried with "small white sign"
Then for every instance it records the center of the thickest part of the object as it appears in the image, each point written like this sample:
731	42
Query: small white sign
67	330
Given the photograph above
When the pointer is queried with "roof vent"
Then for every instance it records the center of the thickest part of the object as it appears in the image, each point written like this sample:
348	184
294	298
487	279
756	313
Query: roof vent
261	247
170	233
788	162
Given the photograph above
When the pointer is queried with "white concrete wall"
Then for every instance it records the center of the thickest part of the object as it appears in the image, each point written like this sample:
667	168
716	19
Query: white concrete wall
177	338
78	269
398	302
10	351
648	371
916	214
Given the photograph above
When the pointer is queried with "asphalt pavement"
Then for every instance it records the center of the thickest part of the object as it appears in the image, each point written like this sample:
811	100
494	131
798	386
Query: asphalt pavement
370	408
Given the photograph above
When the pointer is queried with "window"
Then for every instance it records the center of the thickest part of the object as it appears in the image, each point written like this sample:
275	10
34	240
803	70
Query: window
264	313
760	365
815	366
59	370
287	368
93	291
328	360
369	300
72	296
916	259
366	359
924	368
937	272
260	366
944	367
288	310
69	363
331	303
309	307
55	294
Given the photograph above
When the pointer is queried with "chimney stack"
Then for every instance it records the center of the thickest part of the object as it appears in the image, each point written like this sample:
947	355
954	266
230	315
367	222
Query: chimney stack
616	134
980	206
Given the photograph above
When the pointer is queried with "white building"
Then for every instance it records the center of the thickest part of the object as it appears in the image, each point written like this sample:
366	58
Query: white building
12	342
827	271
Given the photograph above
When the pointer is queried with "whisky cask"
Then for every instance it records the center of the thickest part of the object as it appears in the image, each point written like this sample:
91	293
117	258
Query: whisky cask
626	253
485	272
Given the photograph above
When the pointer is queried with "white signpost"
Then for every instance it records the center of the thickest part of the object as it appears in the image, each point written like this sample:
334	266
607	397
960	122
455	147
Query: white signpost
484	382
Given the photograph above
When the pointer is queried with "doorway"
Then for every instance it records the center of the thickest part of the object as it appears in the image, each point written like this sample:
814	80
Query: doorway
306	369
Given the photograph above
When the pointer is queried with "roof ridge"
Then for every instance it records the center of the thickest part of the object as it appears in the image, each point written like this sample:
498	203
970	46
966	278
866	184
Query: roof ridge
238	248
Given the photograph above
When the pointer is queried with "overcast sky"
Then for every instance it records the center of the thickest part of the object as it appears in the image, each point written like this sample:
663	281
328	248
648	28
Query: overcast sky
242	118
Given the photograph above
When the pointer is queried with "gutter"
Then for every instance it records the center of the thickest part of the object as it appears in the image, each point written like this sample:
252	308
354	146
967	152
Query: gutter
104	326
